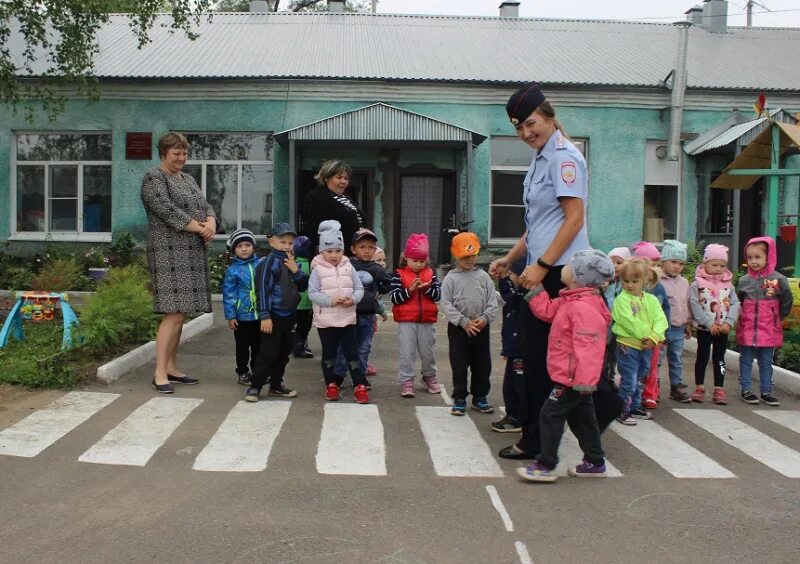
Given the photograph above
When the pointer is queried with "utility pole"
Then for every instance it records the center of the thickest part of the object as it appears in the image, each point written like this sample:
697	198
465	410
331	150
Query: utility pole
749	8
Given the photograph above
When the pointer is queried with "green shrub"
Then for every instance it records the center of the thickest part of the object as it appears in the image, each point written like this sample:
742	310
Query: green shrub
789	357
122	251
16	278
59	275
217	264
37	362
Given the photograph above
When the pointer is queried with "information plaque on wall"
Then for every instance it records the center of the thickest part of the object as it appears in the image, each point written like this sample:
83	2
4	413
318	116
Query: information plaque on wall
138	145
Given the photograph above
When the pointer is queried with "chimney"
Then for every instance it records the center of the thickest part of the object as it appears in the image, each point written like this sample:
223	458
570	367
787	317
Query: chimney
509	10
695	15
336	5
259	6
715	16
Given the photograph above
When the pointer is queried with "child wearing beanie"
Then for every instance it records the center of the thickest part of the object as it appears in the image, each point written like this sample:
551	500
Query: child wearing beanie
335	289
715	309
618	256
414	293
577	340
469	302
673	258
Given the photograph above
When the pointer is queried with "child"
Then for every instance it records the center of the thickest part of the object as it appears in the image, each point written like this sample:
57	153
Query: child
380	257
414	293
469	302
577	340
239	302
335	288
639	326
513	299
715	309
766	300
279	282
618	256
673	257
302	254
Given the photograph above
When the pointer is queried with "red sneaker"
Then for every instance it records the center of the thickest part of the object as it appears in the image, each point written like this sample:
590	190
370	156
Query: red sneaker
360	394
650	404
372	371
720	397
332	392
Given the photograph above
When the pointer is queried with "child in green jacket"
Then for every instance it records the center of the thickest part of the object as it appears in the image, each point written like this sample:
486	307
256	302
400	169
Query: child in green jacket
302	255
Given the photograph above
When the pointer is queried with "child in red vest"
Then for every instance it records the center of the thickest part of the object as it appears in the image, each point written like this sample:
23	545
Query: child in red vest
414	293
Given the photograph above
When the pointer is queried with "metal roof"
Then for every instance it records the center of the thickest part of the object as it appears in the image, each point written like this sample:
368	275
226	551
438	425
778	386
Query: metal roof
380	122
447	48
742	132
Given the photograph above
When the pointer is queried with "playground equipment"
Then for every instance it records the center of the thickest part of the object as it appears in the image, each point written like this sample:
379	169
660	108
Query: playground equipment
37	307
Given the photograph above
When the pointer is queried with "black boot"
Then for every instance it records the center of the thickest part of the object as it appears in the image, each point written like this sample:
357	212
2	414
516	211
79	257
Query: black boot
301	350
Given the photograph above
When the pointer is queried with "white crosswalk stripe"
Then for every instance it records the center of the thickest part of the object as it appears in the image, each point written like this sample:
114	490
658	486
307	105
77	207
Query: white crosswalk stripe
788	419
134	441
244	440
750	441
42	428
351	442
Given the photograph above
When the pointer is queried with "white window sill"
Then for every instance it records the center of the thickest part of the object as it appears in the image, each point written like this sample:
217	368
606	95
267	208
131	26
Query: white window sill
61	237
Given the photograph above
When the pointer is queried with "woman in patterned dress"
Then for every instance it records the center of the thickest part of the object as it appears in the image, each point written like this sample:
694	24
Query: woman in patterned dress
181	223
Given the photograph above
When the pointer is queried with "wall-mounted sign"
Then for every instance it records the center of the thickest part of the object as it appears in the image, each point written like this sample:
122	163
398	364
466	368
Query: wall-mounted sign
139	145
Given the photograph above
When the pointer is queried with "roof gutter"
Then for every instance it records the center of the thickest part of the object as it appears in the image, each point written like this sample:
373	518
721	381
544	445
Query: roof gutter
678	92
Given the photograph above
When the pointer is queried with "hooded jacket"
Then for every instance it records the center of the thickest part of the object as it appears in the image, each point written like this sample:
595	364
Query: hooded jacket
712	298
765	300
328	283
278	289
638	318
239	290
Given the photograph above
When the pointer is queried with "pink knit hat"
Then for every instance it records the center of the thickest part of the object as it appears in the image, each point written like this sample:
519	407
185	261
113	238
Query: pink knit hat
621	252
646	250
416	247
715	251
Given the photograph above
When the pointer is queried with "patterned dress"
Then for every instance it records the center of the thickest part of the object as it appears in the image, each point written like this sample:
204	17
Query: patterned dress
177	259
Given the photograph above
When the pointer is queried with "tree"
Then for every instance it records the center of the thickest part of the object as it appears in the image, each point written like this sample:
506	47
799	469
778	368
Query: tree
291	6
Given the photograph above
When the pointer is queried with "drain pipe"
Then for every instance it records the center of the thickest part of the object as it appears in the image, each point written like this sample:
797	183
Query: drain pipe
678	92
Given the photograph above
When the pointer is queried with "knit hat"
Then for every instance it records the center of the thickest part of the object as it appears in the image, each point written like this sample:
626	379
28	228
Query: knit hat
416	247
330	235
379	254
591	268
673	250
241	236
364	233
715	251
622	252
302	247
523	102
465	245
646	250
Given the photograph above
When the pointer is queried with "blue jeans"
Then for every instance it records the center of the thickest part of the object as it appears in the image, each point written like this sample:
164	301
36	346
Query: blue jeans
633	366
764	357
365	330
675	339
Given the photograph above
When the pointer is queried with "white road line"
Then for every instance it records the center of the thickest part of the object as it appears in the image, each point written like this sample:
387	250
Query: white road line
42	428
445	396
674	455
352	441
455	444
788	419
134	441
244	440
739	435
522	552
501	509
570	453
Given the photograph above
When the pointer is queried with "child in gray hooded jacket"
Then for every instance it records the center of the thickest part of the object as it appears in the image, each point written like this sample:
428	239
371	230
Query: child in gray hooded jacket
469	302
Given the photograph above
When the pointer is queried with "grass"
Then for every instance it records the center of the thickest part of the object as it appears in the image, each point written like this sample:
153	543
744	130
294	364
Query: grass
36	362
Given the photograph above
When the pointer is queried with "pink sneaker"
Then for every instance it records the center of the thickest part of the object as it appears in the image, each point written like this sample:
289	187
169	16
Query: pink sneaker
432	384
372	371
407	389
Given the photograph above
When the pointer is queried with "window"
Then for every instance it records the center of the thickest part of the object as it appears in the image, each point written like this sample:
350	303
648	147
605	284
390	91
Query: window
62	185
234	170
510	161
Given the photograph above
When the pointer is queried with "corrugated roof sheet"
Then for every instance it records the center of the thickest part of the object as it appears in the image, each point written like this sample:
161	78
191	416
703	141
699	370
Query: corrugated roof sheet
449	48
753	128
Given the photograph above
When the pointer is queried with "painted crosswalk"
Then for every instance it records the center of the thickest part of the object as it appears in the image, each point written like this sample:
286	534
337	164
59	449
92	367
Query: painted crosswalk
788	419
351	442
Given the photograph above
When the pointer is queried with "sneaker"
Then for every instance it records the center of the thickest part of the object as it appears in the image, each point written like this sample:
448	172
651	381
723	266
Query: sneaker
459	407
537	473
699	394
679	394
480	404
302	351
407	389
507	425
372	371
769	399
432	384
252	394
639	413
360	394
626	419
243	379
749	397
283	392
720	397
587	470
332	392
650	404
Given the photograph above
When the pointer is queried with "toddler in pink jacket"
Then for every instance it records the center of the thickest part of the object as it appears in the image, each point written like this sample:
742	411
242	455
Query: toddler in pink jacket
580	321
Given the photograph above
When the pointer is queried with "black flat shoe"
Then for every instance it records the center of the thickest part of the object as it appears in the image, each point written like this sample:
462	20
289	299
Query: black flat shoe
163	388
514	453
182	379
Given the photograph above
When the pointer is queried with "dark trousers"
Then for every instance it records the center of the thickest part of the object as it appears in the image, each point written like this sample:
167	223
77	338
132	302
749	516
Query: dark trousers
514	371
469	353
607	404
274	354
705	342
566	405
248	343
346	337
303	325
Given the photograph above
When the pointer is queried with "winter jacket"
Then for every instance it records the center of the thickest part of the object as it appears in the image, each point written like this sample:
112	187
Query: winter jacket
661	295
577	341
509	334
321	204
612	291
638	318
239	290
677	288
712	299
468	294
327	284
765	299
278	289
415	307
375	280
305	266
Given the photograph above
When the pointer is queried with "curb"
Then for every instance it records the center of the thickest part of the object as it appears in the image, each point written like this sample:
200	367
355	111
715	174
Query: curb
786	380
111	371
